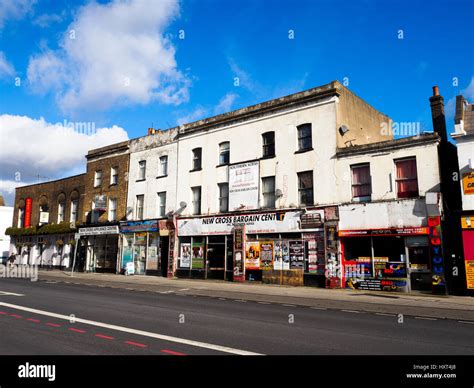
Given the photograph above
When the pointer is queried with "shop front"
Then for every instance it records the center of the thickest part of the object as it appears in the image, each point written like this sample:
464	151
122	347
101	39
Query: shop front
282	247
145	247
467	226
391	259
99	248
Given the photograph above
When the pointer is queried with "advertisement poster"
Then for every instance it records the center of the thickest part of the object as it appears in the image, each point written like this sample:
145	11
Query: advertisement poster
252	255
243	185
296	254
470	274
198	256
127	256
311	249
152	259
468	183
266	255
185	257
282	256
372	284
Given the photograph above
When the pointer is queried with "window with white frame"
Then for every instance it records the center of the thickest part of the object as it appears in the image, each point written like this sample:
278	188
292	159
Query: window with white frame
112	209
61	208
224	153
21	217
268	191
407	178
268	143
361	182
139	209
113	175
196	191
305	188
74	208
305	141
162	204
197	158
223	197
141	170
98	178
163	165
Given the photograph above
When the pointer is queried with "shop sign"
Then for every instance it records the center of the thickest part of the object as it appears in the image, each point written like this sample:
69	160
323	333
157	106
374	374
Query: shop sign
130	268
197	255
28	205
185	256
140	238
99	230
312	219
266	255
273	222
243	185
252	255
139	226
100	202
468	183
282	255
373	284
384	232
296	254
44	217
436	252
239	253
331	213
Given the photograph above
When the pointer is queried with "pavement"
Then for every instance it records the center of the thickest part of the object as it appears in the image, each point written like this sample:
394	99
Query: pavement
410	304
113	315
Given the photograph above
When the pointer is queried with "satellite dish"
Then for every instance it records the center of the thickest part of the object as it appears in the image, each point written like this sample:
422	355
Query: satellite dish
343	130
183	204
278	193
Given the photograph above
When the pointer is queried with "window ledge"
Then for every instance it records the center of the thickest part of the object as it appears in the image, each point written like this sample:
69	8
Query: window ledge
196	169
140	180
223	165
113	184
305	150
161	176
268	157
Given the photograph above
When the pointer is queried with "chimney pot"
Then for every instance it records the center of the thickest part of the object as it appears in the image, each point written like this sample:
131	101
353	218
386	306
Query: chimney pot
435	91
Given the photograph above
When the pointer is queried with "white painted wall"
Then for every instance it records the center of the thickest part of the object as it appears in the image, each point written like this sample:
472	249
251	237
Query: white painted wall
246	144
465	152
6	220
151	148
383	172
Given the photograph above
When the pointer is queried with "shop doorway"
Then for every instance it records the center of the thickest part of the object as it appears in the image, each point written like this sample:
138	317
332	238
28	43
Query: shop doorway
164	252
216	255
419	263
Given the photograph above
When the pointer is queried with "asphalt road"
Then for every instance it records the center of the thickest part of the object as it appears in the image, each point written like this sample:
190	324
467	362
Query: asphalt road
38	321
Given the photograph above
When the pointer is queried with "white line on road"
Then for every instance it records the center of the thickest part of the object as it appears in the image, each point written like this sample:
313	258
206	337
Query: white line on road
10	293
386	315
166	292
318	308
471	322
264	302
288	305
184	289
427	318
351	311
162	337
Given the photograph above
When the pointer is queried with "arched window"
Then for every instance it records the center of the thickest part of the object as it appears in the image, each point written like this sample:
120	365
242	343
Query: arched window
61	207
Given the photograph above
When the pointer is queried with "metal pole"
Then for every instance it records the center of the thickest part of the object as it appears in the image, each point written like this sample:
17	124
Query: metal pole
74	259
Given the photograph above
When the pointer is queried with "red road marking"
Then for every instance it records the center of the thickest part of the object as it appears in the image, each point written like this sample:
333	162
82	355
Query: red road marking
76	330
53	324
15	316
172	352
104	336
33	320
136	344
3	313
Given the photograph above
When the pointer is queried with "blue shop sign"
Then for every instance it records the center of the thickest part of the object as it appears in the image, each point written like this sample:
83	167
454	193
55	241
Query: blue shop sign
139	226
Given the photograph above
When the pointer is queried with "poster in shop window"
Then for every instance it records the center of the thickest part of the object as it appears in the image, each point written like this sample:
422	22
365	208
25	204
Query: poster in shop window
198	256
152	259
185	257
296	254
252	255
282	256
266	255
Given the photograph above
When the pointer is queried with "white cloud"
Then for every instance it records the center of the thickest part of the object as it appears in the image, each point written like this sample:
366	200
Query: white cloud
112	54
45	20
14	10
33	147
197	114
225	104
6	68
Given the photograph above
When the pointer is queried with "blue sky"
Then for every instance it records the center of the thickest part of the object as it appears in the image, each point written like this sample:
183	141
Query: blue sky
192	76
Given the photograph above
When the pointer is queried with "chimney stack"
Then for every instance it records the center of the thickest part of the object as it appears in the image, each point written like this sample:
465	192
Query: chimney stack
437	114
151	131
